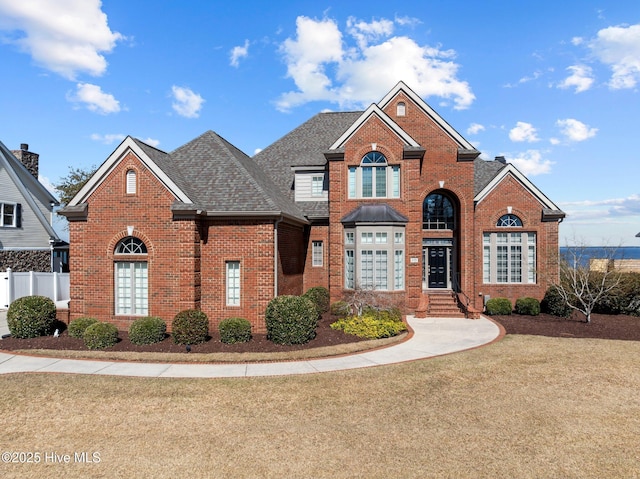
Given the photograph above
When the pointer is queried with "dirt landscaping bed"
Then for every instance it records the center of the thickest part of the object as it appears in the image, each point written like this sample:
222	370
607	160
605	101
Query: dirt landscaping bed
602	326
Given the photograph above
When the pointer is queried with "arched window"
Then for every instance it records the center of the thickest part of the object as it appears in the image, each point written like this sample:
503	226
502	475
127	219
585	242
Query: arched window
374	178
131	279
401	109
437	212
131	182
506	221
131	245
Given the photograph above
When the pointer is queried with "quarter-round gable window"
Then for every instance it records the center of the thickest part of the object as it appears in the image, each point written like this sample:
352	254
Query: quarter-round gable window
131	245
506	221
131	182
401	109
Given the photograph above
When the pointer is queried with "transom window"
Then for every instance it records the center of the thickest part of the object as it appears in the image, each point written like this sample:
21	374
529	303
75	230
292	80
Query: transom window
509	220
437	212
131	245
374	178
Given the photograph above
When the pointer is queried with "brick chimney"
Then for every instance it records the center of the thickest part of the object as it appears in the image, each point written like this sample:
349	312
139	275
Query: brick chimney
28	159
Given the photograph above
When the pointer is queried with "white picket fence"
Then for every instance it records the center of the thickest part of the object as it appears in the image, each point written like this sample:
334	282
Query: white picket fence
16	285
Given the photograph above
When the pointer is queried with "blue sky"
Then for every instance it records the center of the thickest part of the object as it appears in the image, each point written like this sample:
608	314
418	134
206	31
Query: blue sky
552	86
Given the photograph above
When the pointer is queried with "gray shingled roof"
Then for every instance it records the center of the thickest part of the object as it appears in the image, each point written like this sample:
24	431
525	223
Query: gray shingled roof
484	172
220	179
374	213
304	146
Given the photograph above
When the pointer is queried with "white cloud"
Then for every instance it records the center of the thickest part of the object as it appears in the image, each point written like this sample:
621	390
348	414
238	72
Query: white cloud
619	48
530	162
109	138
63	36
475	128
575	130
577	41
523	132
239	52
325	67
581	78
46	182
94	99
186	102
150	141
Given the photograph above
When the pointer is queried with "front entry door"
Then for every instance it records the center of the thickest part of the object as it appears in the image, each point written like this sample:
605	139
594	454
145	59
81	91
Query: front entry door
437	267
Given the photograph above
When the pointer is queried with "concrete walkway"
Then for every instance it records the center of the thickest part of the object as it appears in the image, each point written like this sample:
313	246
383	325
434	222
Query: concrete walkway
432	337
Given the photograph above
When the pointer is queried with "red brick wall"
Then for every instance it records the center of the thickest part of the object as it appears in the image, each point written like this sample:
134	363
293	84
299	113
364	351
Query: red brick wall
511	192
318	275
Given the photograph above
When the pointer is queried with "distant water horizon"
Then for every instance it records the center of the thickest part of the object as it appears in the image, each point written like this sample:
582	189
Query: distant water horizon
623	252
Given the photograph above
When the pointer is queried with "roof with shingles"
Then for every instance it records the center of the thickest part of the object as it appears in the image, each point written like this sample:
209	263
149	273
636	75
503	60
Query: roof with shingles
484	171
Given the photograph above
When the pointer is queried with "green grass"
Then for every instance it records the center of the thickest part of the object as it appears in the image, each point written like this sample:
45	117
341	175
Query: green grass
525	407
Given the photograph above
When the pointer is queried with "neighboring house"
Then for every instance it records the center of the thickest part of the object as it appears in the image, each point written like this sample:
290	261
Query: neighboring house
392	199
28	242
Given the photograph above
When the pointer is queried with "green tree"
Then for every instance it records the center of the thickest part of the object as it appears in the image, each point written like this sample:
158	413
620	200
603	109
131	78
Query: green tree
68	186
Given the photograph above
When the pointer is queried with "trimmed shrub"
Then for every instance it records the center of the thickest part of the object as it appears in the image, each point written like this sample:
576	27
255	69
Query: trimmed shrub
320	297
100	336
291	320
147	330
31	316
341	309
190	326
553	304
235	330
498	306
528	306
78	326
371	325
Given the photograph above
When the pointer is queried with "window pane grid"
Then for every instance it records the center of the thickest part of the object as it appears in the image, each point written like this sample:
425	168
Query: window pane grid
381	270
132	292
349	269
398	270
233	283
366	268
317	253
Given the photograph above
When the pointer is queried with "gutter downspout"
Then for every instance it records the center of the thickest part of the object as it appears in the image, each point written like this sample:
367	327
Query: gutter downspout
275	255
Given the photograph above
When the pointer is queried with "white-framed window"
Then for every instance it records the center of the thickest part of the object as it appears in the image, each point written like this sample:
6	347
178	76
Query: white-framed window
317	253
374	178
401	109
509	258
507	221
317	182
9	215
131	278
233	283
372	261
132	184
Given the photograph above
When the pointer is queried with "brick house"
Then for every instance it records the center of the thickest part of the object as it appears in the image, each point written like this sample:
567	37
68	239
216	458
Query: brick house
392	199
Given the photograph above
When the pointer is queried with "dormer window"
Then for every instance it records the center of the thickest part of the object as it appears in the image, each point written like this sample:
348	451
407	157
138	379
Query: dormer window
401	109
374	178
131	182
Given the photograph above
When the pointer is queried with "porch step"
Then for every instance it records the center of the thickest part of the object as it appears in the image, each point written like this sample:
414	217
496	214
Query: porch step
441	304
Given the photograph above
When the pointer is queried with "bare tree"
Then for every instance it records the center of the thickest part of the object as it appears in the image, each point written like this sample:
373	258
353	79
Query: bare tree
585	279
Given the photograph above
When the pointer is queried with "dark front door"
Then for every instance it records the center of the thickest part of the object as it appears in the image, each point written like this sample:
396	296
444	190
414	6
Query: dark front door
437	267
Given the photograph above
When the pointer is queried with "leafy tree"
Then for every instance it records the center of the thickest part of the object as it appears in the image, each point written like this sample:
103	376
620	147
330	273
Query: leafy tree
69	185
585	280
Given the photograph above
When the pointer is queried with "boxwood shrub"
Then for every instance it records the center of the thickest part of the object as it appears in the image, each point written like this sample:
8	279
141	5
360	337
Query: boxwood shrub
147	330
100	336
498	306
371	325
528	306
78	326
554	304
190	326
31	316
235	330
319	296
291	320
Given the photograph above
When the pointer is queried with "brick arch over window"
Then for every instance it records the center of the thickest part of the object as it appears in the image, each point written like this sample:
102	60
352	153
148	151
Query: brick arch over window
111	247
440	211
521	215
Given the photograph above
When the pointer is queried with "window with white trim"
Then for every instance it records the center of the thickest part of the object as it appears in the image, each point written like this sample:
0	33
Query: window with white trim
374	178
509	221
317	182
131	278
233	283
509	258
317	253
131	182
9	215
372	260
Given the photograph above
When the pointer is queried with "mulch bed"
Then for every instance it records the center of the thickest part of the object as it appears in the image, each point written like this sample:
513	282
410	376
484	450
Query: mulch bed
259	344
602	326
